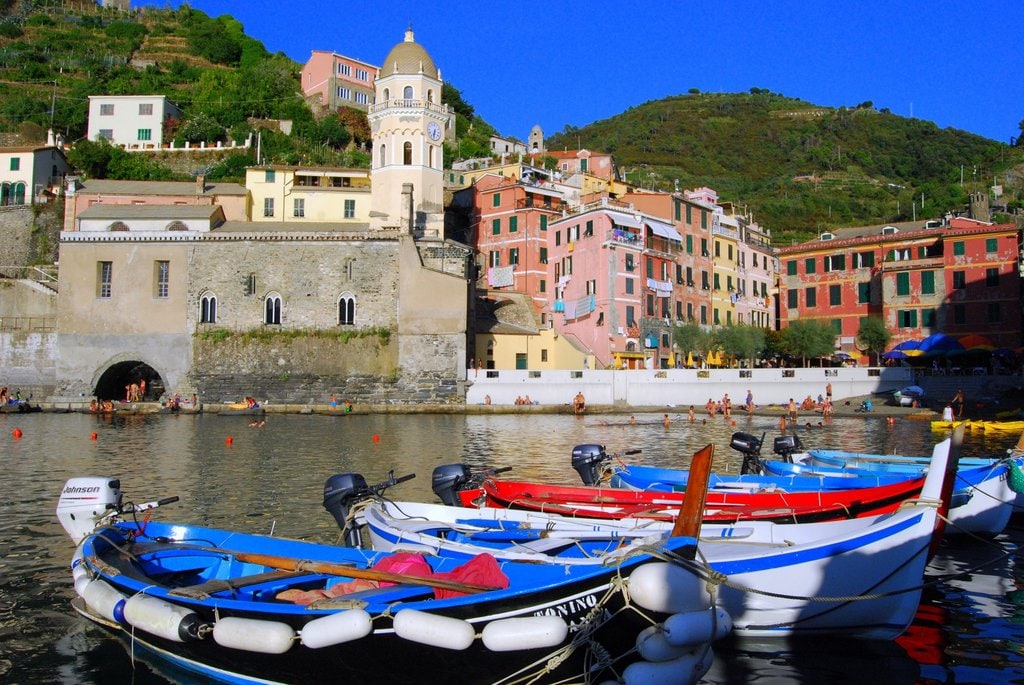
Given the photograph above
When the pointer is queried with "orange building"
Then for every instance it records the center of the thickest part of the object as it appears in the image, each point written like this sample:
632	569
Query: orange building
954	277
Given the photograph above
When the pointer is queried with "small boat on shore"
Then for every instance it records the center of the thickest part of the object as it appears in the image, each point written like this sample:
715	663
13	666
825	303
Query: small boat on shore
236	607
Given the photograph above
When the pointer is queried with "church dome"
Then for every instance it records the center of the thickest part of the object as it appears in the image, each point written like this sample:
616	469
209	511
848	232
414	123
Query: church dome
408	57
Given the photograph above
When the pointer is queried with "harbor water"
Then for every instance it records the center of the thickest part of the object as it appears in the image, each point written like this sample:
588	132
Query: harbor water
269	479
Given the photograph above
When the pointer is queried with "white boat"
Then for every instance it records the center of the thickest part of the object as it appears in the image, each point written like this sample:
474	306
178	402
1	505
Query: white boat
983	489
857	578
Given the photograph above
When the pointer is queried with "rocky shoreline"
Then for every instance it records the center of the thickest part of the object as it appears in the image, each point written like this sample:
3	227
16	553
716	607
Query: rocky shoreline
843	408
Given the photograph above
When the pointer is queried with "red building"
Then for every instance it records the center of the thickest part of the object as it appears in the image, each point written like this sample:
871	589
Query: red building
510	233
956	277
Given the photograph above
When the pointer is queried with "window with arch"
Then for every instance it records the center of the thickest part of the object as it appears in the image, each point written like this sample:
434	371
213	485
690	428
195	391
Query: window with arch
430	155
118	226
176	226
347	310
407	153
407	92
208	308
387	94
383	155
19	194
430	95
272	309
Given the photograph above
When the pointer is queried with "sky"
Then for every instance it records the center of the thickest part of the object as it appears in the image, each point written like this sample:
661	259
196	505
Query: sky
559	63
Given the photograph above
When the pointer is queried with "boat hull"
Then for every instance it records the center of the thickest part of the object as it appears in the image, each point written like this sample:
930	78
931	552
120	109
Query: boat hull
169	562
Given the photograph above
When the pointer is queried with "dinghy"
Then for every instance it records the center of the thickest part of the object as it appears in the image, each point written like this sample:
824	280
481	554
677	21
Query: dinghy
243	608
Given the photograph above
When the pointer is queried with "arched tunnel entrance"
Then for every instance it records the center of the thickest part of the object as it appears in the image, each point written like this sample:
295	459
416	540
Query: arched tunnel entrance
116	381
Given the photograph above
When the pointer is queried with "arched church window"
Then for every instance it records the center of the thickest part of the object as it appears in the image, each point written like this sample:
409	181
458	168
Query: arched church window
347	310
407	93
387	95
430	95
272	309
383	156
407	153
208	308
176	226
118	226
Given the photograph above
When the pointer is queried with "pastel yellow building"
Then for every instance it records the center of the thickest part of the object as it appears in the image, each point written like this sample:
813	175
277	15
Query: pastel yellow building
308	194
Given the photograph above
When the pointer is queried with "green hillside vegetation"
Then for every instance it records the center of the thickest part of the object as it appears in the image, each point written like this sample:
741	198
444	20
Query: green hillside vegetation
54	54
800	169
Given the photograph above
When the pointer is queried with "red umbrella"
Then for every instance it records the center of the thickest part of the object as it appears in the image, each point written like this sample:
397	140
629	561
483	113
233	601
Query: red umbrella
973	341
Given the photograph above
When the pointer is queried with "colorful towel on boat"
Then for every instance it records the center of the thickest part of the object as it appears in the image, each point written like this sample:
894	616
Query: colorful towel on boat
482	569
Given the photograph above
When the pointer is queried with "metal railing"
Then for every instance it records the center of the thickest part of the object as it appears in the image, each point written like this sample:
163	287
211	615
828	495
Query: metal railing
40	274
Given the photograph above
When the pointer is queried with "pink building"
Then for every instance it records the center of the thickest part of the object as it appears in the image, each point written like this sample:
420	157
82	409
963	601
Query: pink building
231	197
339	81
613	271
596	164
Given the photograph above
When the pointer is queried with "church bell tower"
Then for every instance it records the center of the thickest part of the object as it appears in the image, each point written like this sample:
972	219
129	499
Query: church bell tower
409	125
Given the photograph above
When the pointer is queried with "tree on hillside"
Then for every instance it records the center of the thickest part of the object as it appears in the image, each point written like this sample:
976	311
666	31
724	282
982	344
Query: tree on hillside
451	96
808	338
873	336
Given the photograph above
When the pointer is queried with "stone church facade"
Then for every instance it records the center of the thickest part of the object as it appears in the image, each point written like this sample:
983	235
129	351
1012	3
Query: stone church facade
372	310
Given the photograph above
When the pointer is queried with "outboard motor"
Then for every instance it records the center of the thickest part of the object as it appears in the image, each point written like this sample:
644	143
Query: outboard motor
447	480
341	491
786	445
750	447
85	501
587	459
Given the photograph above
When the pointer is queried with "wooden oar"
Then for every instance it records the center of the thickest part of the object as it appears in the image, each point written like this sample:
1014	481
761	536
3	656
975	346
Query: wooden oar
332	568
692	511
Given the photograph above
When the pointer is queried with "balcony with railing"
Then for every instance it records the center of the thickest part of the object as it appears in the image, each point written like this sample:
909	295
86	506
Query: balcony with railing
402	103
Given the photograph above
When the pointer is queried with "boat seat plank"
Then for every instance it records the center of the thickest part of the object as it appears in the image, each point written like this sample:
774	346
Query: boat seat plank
204	590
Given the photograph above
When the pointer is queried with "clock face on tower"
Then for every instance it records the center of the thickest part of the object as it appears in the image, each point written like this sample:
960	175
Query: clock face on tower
434	131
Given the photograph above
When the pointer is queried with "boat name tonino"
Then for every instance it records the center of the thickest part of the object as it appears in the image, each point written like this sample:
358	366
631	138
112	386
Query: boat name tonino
574	609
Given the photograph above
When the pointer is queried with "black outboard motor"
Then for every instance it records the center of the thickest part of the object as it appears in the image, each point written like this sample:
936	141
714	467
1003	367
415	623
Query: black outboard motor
786	445
586	459
340	492
750	447
447	480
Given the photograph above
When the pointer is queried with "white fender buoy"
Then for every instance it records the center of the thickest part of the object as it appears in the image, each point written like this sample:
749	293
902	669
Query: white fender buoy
253	635
684	630
511	634
434	630
681	671
104	600
80	584
157	617
78	567
652	645
343	626
668	588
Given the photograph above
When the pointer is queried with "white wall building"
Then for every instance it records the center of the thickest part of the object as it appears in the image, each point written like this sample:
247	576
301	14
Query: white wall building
31	174
130	121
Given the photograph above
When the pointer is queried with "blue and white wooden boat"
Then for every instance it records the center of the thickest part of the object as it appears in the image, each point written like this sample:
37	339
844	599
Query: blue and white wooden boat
983	489
222	604
855	578
594	464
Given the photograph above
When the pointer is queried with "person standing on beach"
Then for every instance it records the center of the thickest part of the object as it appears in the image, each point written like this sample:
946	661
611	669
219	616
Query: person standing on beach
828	393
792	410
750	402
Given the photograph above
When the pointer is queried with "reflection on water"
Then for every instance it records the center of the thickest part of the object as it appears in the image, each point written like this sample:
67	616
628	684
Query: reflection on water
271	479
